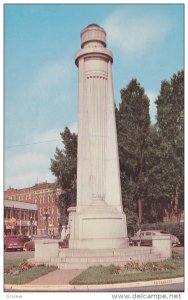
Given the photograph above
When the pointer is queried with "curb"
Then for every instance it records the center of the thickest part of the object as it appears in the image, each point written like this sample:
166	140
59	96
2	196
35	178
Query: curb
93	287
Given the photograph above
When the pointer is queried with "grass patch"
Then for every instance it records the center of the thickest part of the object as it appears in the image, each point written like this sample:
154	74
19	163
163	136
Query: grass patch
108	274
24	276
14	262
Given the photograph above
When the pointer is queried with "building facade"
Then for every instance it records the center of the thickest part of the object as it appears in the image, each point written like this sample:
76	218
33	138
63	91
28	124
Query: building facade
20	218
44	196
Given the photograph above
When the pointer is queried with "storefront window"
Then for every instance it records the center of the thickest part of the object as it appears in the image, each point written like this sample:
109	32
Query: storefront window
22	215
7	214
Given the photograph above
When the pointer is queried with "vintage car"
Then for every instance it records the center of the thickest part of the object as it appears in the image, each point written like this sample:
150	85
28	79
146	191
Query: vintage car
12	242
25	238
30	245
144	238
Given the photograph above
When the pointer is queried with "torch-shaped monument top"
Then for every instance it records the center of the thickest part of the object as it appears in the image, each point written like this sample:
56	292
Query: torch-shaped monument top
93	33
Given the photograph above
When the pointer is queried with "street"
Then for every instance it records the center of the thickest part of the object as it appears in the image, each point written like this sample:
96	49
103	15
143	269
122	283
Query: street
177	287
18	254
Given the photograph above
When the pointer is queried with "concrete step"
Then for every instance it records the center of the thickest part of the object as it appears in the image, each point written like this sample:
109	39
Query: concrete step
104	252
122	262
102	259
78	260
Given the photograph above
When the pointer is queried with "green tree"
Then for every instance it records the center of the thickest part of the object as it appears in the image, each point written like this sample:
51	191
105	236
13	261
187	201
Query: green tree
155	199
133	123
64	167
170	129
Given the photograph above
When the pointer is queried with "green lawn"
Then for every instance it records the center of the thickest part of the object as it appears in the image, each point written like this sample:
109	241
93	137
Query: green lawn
100	274
24	276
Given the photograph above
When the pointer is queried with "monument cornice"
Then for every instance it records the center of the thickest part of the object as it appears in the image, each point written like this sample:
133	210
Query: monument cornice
91	52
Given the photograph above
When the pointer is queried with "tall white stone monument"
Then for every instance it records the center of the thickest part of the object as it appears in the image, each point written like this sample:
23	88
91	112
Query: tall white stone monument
99	221
98	233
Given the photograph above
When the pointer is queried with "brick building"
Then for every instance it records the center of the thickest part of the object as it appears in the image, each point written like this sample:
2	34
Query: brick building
43	195
20	218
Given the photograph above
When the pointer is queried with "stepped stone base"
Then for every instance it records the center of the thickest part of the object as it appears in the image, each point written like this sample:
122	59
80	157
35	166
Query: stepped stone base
49	253
82	259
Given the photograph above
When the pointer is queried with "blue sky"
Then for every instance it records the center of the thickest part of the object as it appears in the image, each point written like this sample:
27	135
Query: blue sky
41	80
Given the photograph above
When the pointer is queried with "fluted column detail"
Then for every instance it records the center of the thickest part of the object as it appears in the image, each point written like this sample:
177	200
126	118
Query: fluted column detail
96	94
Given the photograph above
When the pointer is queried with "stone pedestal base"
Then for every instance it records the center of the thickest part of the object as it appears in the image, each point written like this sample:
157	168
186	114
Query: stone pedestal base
45	249
99	227
163	245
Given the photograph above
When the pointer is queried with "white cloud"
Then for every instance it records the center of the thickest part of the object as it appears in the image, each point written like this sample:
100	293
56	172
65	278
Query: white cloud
52	75
152	108
133	33
50	135
24	166
28	179
26	161
74	127
52	82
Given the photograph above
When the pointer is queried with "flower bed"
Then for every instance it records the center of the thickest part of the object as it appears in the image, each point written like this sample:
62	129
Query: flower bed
140	267
20	272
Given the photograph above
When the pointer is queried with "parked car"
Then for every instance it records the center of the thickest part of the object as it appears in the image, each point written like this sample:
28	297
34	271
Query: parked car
13	242
181	239
30	245
144	238
25	238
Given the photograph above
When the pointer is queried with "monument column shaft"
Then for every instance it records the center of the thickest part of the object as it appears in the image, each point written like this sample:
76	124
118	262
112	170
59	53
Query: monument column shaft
96	95
93	93
99	221
98	162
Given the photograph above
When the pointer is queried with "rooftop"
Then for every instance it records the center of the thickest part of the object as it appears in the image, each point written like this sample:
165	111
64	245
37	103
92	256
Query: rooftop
19	204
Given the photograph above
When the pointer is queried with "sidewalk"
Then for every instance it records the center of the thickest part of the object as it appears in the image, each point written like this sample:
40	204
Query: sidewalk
58	280
57	277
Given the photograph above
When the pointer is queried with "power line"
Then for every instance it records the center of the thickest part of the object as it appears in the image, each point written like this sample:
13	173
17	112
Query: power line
29	144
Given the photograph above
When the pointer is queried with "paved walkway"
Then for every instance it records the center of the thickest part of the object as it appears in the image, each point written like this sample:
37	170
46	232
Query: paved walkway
57	277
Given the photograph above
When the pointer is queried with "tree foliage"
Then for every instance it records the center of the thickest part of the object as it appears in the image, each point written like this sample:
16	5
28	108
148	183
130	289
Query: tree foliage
170	129
133	127
155	173
151	156
64	166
